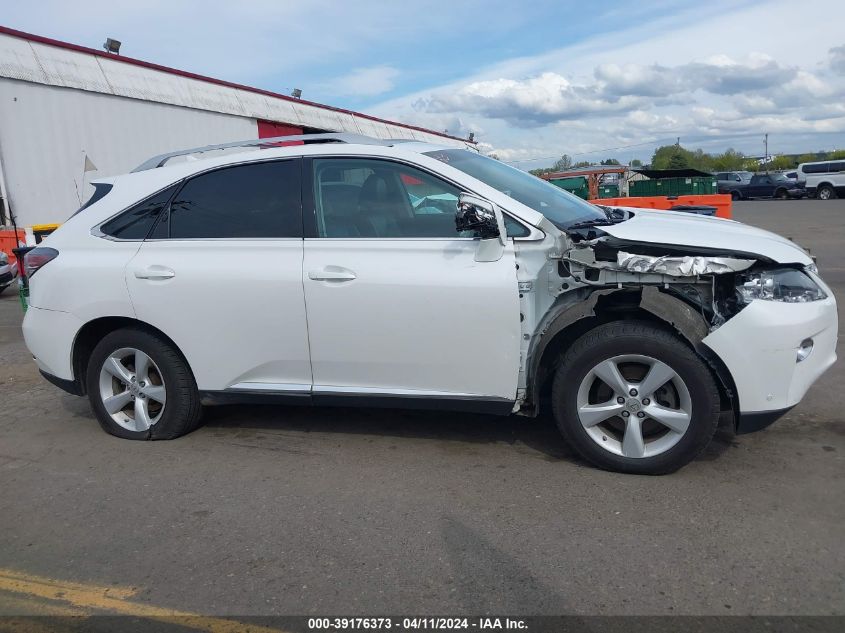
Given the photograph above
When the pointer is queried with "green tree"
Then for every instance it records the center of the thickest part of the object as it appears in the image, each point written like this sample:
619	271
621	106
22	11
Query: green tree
565	162
610	161
636	163
729	160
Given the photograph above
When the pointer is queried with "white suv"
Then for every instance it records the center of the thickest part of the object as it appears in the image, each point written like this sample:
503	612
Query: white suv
345	270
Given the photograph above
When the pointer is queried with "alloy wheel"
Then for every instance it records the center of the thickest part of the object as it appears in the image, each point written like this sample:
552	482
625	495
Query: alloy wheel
634	406
132	389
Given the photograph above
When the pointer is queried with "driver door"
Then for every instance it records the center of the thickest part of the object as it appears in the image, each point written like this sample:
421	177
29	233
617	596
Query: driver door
397	306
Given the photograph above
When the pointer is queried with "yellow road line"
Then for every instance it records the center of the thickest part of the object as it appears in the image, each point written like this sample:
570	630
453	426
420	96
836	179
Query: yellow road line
113	600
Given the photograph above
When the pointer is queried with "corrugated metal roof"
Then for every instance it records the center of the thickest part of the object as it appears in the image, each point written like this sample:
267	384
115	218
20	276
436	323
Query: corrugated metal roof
42	60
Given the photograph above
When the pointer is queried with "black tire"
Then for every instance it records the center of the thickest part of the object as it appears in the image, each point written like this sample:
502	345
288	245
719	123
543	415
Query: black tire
826	192
781	194
641	338
182	411
3	289
736	195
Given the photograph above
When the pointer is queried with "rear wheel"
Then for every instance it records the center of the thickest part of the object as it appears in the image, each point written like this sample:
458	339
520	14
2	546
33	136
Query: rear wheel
633	398
141	388
735	195
825	192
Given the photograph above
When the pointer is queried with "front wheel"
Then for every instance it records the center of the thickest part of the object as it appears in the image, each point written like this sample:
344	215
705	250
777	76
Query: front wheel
141	388
633	398
781	194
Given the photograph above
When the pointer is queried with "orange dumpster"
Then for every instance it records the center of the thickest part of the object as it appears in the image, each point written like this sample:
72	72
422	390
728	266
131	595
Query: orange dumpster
722	202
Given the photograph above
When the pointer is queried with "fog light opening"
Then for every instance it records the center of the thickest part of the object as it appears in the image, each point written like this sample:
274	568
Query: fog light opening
804	350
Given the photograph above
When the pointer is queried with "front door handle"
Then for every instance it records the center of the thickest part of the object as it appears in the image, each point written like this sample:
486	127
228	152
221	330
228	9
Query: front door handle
155	272
332	273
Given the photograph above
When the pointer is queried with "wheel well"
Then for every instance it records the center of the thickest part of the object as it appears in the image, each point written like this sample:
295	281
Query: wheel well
824	184
607	312
93	332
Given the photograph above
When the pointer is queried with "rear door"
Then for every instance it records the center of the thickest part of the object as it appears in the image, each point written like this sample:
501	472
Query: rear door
397	305
221	275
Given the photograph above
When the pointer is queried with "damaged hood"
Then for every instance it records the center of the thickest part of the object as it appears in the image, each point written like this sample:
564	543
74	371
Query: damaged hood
686	229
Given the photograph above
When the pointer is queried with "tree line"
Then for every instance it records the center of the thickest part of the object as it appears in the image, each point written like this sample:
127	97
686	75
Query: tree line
679	157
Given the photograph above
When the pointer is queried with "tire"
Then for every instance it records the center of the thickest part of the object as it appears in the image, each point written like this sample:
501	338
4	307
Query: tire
3	289
781	194
735	195
690	392
826	192
166	390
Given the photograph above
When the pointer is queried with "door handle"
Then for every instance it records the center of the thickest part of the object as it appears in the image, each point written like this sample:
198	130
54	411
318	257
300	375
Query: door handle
155	272
332	273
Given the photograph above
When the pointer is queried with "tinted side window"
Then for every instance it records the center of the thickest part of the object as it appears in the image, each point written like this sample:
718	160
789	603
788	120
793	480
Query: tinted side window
838	166
135	223
255	200
820	168
363	198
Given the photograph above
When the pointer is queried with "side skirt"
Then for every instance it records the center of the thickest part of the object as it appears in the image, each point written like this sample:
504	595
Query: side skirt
492	406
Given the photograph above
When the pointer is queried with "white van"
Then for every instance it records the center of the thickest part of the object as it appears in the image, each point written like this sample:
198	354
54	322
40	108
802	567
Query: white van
824	179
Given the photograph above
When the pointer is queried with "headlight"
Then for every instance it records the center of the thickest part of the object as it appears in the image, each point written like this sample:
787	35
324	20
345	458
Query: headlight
783	284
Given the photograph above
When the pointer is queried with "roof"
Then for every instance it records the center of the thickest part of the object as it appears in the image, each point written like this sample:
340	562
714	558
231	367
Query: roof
37	59
673	173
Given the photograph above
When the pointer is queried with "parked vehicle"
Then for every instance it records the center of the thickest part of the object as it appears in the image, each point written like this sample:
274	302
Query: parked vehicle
356	285
8	271
726	179
805	170
824	180
765	186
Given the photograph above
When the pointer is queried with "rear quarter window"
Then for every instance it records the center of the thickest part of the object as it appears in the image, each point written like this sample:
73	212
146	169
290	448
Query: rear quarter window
137	222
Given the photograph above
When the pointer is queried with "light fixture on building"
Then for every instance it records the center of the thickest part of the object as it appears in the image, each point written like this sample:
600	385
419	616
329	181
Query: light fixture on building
112	46
296	94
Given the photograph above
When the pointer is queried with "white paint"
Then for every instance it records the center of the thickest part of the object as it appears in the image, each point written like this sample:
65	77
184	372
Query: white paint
419	315
689	229
234	307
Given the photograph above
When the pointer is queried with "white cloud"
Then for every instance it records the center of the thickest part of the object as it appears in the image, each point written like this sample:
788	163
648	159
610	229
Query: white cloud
658	80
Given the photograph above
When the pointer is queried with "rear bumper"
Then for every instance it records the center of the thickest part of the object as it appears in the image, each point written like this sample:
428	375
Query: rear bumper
759	346
49	336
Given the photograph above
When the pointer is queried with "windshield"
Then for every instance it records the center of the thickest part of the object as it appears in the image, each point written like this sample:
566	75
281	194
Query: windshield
560	207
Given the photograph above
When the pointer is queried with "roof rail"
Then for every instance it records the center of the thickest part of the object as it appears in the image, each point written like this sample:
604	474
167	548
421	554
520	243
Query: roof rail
341	137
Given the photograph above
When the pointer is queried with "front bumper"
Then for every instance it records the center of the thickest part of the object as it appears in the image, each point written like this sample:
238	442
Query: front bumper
759	346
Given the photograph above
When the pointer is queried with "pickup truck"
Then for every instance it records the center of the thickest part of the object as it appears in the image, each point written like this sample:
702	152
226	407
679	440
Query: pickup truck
764	186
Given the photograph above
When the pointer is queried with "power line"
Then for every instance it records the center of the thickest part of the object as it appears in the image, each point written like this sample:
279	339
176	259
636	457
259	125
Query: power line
597	151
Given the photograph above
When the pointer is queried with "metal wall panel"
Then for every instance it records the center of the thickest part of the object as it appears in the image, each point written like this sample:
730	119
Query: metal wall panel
44	131
56	66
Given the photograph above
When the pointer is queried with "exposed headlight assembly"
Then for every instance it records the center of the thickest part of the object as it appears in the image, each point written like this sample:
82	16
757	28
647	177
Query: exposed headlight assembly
788	285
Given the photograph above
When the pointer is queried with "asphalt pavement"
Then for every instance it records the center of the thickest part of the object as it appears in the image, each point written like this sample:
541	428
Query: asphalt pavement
284	510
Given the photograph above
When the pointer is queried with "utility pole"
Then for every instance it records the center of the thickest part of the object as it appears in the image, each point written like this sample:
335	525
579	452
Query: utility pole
766	150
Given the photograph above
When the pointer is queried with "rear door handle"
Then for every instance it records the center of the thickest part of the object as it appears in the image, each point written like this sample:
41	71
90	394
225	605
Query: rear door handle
332	273
155	272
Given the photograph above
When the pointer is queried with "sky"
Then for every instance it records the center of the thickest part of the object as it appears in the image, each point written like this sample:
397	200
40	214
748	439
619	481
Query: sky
532	80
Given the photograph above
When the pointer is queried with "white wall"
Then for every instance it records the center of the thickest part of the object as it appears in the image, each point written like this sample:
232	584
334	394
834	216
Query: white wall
45	129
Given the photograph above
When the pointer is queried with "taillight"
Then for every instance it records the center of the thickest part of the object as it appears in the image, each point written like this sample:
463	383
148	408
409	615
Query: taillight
35	259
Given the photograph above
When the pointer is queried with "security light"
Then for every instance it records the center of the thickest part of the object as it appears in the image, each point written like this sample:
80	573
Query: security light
112	46
296	94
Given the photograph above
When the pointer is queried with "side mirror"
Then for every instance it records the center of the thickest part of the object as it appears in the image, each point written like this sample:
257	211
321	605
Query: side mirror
477	214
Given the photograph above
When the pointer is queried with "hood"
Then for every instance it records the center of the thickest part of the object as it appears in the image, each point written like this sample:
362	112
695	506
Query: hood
687	229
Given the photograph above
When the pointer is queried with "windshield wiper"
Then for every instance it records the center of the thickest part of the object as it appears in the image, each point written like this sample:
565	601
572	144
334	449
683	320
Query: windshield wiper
586	224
